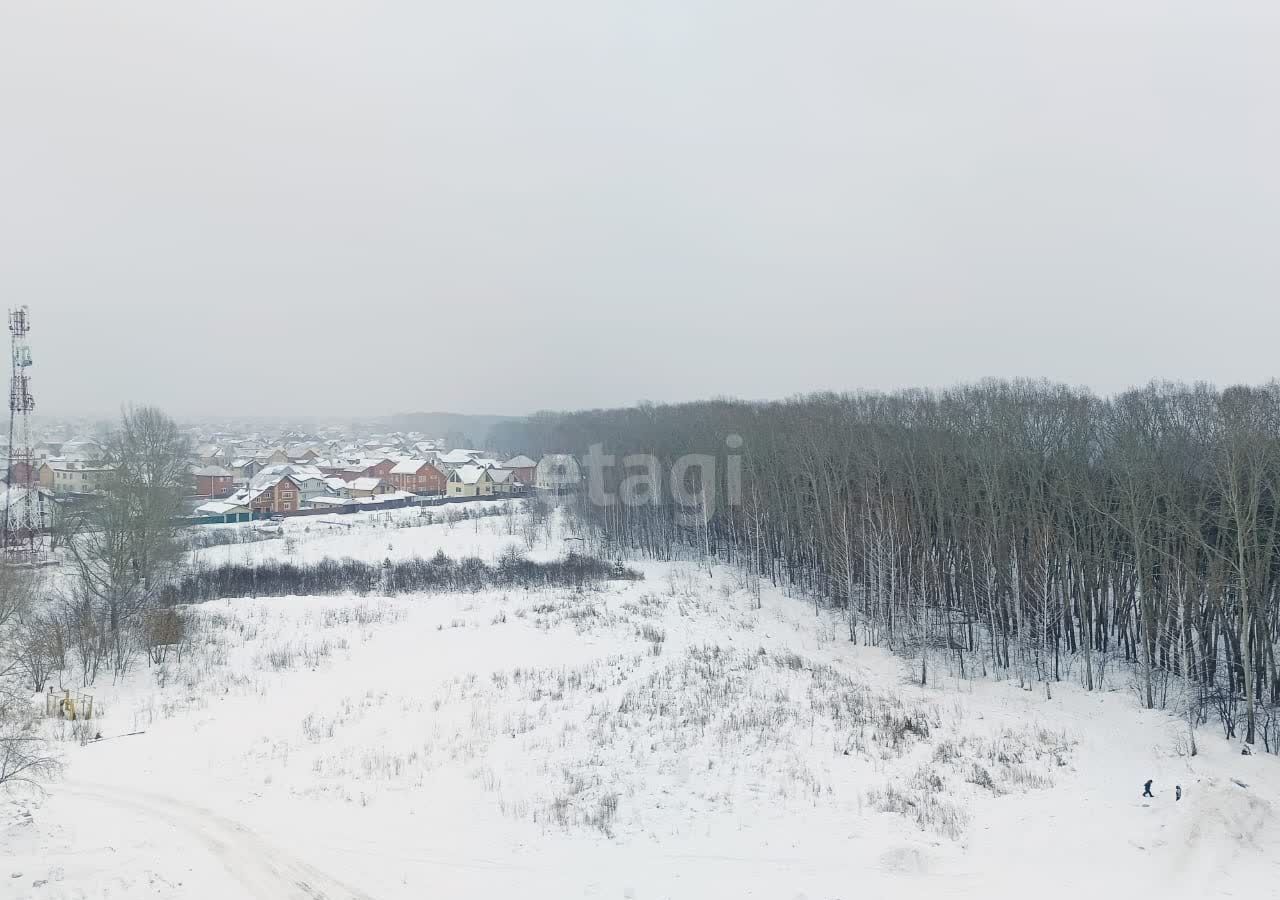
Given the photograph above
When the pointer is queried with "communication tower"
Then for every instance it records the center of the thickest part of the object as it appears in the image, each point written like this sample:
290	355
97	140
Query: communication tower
24	510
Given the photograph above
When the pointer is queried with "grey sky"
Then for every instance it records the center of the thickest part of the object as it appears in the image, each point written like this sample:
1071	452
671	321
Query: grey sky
313	207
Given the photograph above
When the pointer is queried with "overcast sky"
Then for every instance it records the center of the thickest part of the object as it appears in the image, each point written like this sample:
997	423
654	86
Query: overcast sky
312	207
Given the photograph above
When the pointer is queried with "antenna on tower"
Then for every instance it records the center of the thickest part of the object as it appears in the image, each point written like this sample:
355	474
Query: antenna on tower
24	519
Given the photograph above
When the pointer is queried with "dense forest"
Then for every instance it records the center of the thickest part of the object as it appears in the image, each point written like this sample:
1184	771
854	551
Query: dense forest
1024	529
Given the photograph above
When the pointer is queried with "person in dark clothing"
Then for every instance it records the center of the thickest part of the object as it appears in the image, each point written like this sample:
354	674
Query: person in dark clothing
1177	792
1146	789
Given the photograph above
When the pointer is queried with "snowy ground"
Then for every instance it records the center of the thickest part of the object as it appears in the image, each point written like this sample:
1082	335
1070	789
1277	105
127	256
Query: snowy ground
654	739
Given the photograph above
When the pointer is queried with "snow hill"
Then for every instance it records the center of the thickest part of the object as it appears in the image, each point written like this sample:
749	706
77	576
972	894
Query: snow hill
653	739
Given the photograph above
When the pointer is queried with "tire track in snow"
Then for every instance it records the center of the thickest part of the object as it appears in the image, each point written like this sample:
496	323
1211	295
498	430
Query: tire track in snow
264	871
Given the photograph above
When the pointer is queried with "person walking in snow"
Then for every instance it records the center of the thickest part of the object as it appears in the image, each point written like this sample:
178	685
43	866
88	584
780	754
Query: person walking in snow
1146	789
1177	792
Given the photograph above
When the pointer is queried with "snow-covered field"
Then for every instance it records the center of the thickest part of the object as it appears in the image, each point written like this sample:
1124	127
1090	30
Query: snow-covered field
661	738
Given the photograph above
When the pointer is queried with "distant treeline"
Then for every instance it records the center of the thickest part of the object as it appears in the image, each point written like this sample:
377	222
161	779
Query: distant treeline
440	573
1024	527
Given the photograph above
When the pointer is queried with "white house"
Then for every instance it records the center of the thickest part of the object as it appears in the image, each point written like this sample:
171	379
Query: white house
557	472
504	480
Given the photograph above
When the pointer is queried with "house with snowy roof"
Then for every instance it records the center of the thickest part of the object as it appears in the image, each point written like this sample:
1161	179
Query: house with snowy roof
523	468
367	486
418	476
470	481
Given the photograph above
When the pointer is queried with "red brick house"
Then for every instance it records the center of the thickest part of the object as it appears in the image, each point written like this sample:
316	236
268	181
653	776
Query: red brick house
214	482
417	476
522	468
367	468
381	469
282	496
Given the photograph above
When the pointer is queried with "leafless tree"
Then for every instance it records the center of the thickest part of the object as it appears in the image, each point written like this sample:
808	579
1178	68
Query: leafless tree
1031	530
123	545
24	754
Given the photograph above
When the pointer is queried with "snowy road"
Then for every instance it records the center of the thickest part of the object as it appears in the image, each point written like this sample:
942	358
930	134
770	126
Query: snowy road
263	871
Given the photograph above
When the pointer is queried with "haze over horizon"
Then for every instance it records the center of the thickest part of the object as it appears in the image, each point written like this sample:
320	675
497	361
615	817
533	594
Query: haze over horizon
340	209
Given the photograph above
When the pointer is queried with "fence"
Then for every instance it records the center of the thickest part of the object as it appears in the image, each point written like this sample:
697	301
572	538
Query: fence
73	706
432	500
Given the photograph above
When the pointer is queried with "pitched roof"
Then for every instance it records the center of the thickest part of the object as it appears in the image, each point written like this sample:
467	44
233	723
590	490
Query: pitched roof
409	466
220	507
470	474
458	457
519	462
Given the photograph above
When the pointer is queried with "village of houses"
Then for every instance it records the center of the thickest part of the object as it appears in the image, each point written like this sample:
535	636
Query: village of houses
236	480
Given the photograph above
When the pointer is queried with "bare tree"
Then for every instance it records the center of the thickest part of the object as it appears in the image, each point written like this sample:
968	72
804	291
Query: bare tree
24	754
1022	525
124	544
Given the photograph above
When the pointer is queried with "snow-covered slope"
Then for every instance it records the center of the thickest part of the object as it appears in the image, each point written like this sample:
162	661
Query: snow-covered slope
663	738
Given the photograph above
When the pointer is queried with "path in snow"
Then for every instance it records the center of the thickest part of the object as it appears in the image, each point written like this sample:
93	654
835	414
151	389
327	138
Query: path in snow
264	871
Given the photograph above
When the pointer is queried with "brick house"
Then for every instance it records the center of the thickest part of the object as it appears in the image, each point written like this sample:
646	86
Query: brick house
214	482
280	496
380	469
418	477
365	468
523	468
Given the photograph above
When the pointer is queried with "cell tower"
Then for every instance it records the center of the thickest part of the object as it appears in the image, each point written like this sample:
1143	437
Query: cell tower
24	524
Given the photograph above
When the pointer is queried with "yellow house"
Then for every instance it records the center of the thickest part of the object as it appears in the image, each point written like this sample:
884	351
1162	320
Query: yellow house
67	477
470	481
367	487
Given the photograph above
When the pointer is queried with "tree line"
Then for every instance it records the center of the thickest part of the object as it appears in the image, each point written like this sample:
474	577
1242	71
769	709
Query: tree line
440	573
1024	529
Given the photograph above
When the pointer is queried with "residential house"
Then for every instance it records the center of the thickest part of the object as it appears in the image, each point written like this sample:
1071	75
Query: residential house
368	467
82	450
504	481
70	477
418	476
455	458
310	480
330	502
470	481
557	472
380	467
367	487
18	472
214	482
277	495
302	454
244	468
523	468
212	455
